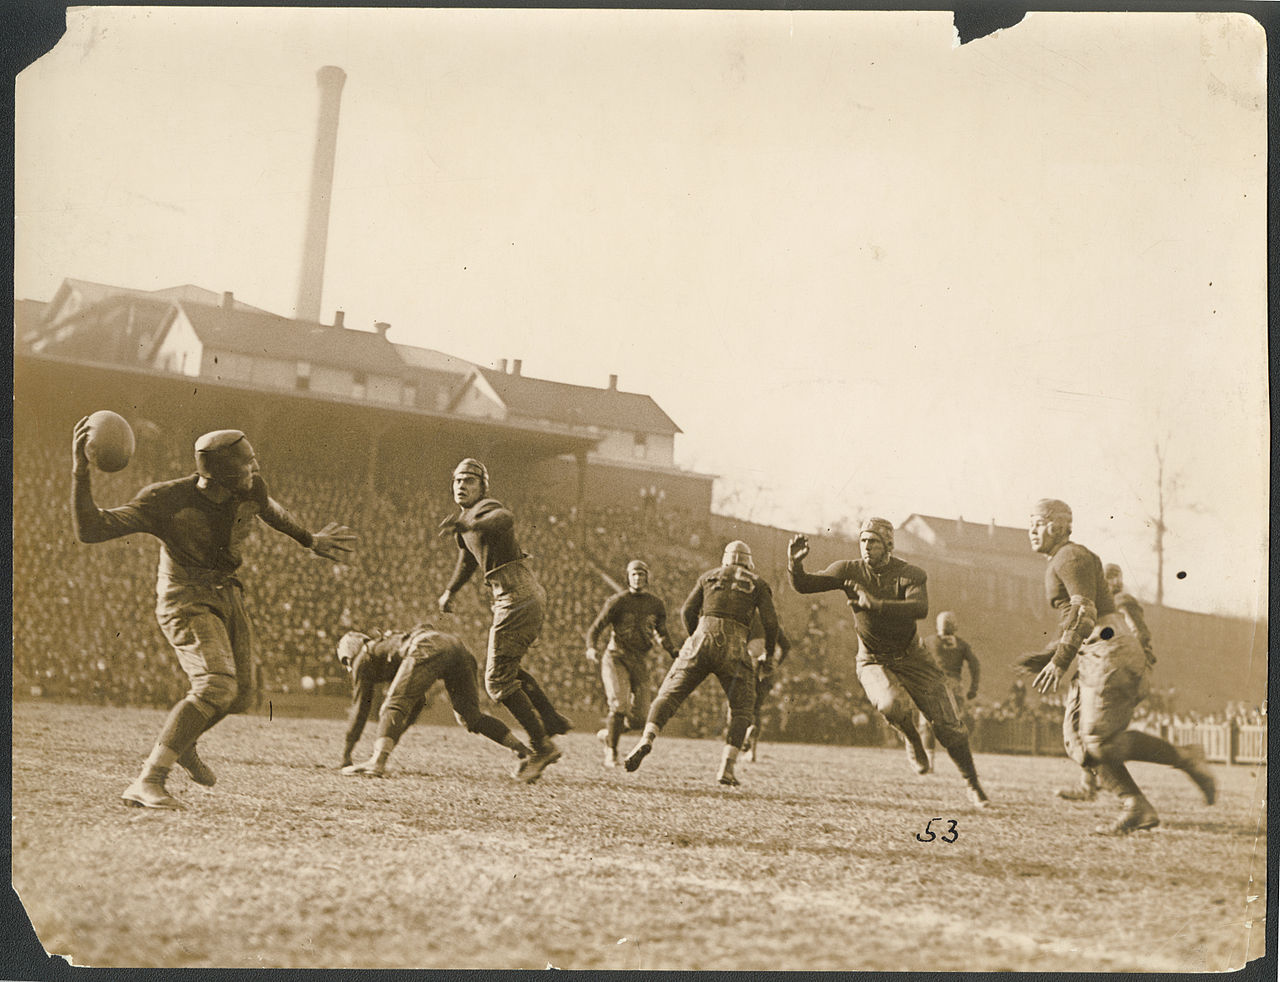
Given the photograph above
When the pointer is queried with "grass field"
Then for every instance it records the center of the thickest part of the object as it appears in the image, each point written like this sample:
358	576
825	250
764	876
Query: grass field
814	863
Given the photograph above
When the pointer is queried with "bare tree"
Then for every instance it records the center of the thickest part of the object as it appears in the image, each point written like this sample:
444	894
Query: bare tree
1168	488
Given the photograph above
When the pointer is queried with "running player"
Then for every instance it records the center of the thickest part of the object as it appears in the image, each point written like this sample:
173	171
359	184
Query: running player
767	663
717	614
1111	677
952	653
485	534
201	521
634	617
887	597
414	661
1128	607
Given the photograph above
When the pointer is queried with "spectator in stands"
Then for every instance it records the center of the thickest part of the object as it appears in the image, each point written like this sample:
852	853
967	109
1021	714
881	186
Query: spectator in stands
201	522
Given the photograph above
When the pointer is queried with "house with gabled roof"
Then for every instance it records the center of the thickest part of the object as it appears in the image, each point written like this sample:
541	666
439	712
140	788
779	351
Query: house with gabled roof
634	460
230	345
435	376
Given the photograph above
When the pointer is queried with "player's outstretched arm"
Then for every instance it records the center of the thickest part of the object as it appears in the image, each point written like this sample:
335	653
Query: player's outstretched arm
334	542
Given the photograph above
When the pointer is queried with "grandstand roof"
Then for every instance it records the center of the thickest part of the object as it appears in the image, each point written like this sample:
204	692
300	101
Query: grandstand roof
956	535
578	405
271	336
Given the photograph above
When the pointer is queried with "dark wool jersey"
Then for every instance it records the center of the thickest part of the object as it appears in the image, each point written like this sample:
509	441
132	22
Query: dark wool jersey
951	653
377	664
634	617
1075	571
195	533
734	593
901	587
490	543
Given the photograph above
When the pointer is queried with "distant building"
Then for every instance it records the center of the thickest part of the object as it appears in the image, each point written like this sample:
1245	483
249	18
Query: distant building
268	351
634	460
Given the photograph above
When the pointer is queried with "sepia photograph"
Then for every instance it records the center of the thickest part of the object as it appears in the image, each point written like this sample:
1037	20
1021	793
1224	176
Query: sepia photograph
641	489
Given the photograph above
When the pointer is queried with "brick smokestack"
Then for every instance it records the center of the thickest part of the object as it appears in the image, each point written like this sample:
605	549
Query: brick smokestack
311	280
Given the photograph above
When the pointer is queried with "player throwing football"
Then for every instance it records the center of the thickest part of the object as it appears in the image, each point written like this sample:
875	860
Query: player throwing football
201	521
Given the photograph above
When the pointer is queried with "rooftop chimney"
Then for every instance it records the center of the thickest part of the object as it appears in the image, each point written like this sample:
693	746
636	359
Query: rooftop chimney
991	529
315	243
516	366
228	299
613	383
382	327
338	318
502	365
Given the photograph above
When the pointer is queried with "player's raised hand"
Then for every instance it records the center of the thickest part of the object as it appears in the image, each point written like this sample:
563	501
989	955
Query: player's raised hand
452	526
334	542
593	656
797	548
79	438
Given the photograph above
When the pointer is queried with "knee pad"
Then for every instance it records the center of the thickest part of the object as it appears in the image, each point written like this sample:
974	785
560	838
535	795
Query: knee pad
215	692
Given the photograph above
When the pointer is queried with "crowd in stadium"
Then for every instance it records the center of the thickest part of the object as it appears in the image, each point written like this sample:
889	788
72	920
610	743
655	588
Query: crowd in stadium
85	616
88	632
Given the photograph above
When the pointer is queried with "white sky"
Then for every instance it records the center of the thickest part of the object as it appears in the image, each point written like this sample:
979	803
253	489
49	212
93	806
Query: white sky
865	269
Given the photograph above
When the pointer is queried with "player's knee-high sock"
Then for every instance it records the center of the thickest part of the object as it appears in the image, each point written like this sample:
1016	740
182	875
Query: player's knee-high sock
905	725
185	723
1115	777
537	697
613	729
522	709
660	713
1135	745
738	726
958	750
392	724
499	733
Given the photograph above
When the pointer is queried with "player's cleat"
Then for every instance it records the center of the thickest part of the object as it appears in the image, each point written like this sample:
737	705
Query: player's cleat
150	794
919	757
1081	792
977	797
726	776
199	771
531	768
610	757
1194	765
1138	814
638	753
366	768
558	725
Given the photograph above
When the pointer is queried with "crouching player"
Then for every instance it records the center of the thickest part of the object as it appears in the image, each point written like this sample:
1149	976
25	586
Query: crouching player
419	659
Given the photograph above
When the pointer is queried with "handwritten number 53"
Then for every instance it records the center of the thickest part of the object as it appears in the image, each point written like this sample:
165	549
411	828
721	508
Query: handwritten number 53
928	835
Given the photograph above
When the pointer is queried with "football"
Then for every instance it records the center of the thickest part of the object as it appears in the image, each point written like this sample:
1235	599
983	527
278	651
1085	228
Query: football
111	442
